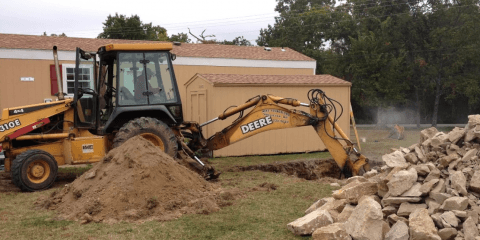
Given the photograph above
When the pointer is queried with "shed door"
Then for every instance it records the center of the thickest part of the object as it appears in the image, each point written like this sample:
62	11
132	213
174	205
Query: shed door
198	106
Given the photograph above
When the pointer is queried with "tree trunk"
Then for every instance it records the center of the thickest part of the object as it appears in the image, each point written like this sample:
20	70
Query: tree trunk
438	93
417	117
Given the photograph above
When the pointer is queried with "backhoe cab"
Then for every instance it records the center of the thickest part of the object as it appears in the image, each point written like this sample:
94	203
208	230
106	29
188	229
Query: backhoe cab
130	81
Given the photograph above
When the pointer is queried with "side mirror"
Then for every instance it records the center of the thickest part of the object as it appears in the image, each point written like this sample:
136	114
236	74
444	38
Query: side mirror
173	56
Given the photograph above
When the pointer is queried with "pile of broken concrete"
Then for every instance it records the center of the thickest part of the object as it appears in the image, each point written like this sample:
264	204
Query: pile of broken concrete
430	190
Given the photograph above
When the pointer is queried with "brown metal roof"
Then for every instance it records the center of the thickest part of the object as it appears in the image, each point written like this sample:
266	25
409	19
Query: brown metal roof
16	41
324	79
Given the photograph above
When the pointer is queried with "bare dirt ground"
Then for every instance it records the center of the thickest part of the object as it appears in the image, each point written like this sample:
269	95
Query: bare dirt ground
308	169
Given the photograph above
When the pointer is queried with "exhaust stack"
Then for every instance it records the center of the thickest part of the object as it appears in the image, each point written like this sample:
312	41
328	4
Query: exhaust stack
59	78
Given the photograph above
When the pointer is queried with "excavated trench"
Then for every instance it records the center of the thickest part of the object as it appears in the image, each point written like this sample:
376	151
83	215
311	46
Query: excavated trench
307	169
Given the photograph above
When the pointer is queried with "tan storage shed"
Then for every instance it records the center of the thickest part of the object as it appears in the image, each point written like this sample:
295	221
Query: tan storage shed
208	95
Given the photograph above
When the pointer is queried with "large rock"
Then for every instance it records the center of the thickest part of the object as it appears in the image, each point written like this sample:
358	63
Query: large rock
353	191
427	133
345	214
428	186
422	226
414	191
470	229
334	231
422	169
320	203
475	182
393	218
366	223
439	139
395	159
471	153
401	182
456	134
309	223
447	233
455	203
459	182
398	200
406	208
449	219
434	174
420	154
399	231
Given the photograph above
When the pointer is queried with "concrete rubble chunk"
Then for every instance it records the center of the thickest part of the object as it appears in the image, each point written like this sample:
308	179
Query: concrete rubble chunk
90	175
399	231
439	139
395	159
414	191
398	200
460	214
439	188
455	203
338	205
470	153
420	154
470	229
422	169
456	134
411	158
393	218
473	121
385	229
437	220
309	223
428	186
433	206
370	173
475	182
449	219
401	182
406	208
459	182
444	162
388	210
422	226
452	148
447	233
353	191
334	231
345	214
427	133
365	221
319	204
356	179
434	174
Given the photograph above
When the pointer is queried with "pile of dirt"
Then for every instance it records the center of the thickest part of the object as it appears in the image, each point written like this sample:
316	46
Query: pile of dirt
135	182
308	169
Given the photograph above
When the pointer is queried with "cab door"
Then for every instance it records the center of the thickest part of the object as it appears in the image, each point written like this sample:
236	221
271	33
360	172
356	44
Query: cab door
85	96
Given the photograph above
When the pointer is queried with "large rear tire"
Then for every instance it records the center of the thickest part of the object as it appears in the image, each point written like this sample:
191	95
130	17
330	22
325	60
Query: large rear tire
34	170
151	129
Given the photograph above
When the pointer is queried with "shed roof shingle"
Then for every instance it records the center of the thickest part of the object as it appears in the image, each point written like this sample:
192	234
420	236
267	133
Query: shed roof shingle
16	41
324	79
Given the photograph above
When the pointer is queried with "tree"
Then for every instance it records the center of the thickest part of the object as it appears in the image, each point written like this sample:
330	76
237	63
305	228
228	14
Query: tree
122	27
202	38
238	41
54	35
181	37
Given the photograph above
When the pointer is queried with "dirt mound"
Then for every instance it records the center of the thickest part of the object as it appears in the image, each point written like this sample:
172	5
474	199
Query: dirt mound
135	182
309	169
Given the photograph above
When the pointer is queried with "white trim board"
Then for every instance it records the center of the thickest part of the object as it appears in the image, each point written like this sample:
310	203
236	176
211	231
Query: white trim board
33	54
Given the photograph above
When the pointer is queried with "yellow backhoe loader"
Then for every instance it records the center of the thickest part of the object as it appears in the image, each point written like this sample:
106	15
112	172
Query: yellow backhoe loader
134	92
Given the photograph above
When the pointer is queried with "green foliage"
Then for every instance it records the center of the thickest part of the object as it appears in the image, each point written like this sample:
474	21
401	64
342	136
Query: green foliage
181	37
396	53
54	35
123	27
238	41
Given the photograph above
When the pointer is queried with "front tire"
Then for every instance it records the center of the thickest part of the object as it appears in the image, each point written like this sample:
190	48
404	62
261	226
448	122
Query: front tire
34	170
151	129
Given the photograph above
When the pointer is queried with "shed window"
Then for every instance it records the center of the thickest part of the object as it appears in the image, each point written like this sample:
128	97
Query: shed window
85	77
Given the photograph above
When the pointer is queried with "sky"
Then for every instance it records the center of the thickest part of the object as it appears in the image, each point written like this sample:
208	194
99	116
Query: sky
222	18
